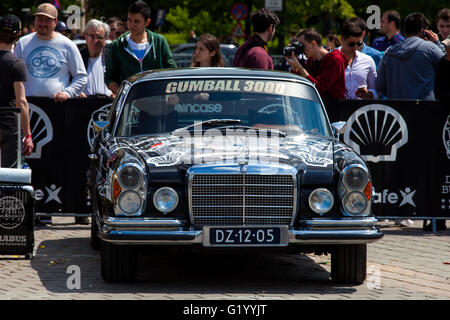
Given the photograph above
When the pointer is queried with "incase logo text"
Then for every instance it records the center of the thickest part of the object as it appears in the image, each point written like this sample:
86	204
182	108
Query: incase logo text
196	108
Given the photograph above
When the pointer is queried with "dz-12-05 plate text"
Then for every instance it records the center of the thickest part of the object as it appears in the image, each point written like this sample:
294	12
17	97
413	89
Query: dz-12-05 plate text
245	236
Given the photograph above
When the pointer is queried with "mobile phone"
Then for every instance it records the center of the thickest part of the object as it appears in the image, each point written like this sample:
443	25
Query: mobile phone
361	88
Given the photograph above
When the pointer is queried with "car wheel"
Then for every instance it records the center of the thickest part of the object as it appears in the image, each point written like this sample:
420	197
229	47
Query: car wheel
118	262
348	263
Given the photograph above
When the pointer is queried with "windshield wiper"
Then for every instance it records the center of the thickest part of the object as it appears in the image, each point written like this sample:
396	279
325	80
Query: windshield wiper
210	123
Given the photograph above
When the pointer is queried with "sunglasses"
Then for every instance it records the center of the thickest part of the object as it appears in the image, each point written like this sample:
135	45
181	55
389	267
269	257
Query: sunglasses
352	44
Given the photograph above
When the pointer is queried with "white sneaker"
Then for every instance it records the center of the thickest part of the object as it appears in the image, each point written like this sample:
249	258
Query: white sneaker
407	223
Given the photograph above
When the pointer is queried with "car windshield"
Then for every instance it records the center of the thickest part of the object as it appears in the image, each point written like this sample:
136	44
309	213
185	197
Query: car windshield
161	107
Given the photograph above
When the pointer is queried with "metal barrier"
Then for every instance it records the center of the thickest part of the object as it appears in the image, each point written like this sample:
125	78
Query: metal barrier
184	60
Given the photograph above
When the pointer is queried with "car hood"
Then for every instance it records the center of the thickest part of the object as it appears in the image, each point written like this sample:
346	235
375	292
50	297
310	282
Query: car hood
306	153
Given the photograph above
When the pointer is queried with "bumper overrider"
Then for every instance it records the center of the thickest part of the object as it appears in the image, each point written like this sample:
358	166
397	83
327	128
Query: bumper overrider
131	231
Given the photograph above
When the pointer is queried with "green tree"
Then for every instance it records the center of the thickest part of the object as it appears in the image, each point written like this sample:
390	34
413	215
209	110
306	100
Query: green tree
202	22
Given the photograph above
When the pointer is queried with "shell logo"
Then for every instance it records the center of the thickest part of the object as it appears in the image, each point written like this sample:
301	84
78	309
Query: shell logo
376	132
446	137
101	114
41	130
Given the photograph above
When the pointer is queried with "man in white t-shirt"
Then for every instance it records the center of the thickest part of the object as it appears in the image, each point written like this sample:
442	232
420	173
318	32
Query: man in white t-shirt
94	58
54	65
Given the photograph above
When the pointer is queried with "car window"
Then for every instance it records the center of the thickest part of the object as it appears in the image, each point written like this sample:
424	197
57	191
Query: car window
188	50
157	107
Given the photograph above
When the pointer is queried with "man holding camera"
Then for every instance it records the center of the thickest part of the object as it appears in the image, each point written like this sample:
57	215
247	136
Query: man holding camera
407	69
325	69
254	53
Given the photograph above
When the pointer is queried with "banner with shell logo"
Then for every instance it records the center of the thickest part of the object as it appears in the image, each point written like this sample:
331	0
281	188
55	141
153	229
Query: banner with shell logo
406	145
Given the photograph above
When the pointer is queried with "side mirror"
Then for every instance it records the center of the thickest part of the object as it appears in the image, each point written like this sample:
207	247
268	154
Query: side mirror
339	128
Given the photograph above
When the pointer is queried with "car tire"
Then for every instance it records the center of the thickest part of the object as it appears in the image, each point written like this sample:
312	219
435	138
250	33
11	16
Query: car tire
118	262
349	263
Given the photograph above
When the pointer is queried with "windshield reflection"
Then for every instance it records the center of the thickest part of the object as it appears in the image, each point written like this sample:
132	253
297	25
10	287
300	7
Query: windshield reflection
161	107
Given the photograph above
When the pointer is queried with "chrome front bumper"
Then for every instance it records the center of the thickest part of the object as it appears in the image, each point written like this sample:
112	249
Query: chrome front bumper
173	232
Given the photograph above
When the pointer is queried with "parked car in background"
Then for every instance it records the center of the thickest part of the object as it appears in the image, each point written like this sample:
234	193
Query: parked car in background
183	54
227	159
81	43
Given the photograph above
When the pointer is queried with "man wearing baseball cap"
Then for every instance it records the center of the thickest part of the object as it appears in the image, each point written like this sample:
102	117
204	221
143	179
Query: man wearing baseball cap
12	93
54	65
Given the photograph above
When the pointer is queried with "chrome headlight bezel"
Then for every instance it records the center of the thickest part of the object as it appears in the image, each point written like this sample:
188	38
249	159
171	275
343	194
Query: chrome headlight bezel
138	198
348	171
156	201
137	169
345	203
346	189
324	193
118	186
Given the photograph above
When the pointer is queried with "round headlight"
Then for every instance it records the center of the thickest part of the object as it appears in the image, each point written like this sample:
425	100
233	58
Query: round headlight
130	202
130	176
356	178
355	203
165	199
321	200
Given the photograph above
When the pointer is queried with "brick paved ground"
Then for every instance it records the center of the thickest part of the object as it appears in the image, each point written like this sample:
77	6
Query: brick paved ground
406	264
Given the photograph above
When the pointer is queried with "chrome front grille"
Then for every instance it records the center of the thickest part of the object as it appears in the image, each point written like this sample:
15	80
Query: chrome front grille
242	199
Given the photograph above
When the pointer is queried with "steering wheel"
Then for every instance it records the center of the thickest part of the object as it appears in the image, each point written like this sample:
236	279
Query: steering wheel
272	108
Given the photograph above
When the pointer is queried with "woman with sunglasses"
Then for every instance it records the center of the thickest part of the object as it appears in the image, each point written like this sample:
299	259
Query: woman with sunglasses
361	71
207	52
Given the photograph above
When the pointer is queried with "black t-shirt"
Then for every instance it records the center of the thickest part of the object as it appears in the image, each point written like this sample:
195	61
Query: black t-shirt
12	69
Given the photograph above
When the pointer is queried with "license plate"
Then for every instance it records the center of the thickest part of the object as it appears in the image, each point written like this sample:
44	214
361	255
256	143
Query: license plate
251	236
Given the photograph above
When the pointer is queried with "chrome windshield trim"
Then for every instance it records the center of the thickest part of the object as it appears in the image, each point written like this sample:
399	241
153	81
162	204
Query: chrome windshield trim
256	77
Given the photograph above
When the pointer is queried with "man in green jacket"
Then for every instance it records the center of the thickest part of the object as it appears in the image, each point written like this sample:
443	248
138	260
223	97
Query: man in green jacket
137	50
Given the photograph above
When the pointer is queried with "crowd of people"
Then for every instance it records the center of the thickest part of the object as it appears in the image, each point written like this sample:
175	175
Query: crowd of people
45	62
395	66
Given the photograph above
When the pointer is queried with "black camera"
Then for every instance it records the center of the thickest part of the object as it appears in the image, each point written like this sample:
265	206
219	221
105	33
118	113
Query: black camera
296	47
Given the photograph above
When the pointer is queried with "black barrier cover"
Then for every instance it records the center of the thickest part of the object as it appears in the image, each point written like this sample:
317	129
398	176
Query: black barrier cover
405	143
16	220
59	162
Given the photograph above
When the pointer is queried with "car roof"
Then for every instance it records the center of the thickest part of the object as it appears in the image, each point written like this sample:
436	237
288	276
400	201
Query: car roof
193	44
216	73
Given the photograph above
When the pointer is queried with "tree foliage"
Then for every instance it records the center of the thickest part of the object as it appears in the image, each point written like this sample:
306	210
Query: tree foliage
202	16
214	16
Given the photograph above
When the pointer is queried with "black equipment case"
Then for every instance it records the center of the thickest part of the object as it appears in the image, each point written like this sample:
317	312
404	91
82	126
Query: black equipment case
16	205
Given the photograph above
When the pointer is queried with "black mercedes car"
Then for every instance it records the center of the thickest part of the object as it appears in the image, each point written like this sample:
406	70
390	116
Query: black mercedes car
227	159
